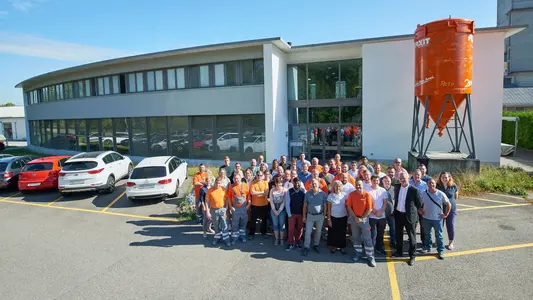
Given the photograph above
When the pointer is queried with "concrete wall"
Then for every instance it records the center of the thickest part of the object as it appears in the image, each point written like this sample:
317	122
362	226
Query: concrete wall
276	111
388	80
326	53
204	101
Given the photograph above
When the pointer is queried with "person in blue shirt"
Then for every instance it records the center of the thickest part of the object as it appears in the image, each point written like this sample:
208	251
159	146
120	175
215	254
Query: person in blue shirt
422	187
445	184
304	175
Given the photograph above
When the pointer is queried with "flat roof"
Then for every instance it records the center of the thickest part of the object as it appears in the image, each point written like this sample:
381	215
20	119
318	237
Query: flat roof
278	41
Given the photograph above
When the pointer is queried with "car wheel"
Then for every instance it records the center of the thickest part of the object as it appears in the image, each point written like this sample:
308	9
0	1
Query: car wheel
110	185
131	199
64	194
158	149
108	143
249	150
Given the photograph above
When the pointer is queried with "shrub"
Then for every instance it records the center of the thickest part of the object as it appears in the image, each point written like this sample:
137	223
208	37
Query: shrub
514	181
525	129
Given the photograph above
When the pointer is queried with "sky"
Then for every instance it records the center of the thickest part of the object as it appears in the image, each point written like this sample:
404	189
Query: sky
39	36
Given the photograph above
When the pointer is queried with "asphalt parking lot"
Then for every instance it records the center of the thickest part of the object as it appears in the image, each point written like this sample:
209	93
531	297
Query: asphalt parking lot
105	247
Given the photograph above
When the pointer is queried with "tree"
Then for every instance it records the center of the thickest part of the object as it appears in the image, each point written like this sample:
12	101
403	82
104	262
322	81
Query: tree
7	104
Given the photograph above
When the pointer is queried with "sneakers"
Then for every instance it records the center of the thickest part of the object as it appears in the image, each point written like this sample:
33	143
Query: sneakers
440	256
276	242
305	251
243	239
411	261
211	231
316	249
357	257
289	247
372	262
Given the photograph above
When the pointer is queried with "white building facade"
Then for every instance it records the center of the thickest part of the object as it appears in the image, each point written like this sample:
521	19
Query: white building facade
256	97
13	123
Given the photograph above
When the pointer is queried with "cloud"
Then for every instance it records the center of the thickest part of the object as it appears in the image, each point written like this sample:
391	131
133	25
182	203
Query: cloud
25	5
35	46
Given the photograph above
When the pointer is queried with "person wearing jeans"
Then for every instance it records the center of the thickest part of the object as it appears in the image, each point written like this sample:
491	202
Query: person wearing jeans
359	205
386	182
377	217
313	215
445	184
435	208
206	222
278	213
294	204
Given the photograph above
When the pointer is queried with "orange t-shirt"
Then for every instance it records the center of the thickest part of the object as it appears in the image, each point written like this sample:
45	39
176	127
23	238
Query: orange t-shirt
322	182
259	186
216	197
199	177
318	167
359	202
235	191
350	178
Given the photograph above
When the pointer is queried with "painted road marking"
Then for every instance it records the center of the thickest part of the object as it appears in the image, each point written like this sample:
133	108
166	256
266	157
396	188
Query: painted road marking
490	207
488	200
477	251
92	211
509	196
12	195
55	201
395	290
464	205
113	202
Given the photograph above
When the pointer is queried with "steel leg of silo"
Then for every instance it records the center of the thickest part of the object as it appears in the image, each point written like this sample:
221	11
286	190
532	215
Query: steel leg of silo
462	124
436	123
462	128
469	107
451	140
416	108
420	154
456	148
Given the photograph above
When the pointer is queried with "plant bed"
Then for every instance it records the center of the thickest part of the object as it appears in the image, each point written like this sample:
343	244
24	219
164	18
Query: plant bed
508	180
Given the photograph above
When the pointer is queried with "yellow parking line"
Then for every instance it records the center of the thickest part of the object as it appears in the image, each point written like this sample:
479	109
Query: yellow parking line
113	202
466	205
489	207
488	200
509	196
13	195
395	290
91	211
477	251
55	201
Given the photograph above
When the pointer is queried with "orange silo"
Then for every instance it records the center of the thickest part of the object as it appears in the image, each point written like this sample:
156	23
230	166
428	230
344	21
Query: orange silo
443	67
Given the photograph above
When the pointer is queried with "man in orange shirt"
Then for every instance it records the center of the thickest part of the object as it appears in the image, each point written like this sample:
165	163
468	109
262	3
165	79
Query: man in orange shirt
315	165
199	180
215	201
238	196
322	183
359	205
344	170
338	159
260	207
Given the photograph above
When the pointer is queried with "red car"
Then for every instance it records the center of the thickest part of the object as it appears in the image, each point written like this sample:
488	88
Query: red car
41	173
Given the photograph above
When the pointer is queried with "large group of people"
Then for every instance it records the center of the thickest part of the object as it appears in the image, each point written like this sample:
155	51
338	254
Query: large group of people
299	198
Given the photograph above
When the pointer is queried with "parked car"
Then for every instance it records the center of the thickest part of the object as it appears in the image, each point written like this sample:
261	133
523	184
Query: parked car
10	169
5	155
157	177
225	142
3	142
41	173
254	143
93	171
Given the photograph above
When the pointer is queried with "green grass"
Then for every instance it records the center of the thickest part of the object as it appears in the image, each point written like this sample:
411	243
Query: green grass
508	180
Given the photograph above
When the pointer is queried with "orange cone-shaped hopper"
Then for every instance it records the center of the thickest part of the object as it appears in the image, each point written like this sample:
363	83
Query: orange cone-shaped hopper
443	65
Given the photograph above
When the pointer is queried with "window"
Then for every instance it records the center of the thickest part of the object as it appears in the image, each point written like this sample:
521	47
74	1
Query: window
231	73
171	79
139	139
100	86
227	133
69	92
322	78
81	134
154	80
107	88
117	157
148	172
171	166
180	78
44	92
131	83
52	93
179	136
150	80
204	76
247	71
158	135
139	81
296	82
202	137
121	135
350	85
59	92
351	114
107	134
219	75
323	115
94	134
253	131
194	77
79	165
116	84
159	80
108	159
88	89
258	71
80	89
298	115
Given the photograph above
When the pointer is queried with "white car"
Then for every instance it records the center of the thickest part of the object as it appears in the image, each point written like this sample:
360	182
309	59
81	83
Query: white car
156	177
254	143
93	171
225	142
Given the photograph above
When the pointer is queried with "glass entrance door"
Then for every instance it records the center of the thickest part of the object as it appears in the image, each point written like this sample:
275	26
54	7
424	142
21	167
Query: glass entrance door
324	142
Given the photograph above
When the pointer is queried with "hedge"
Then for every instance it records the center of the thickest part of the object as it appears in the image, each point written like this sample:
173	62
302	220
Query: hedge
525	129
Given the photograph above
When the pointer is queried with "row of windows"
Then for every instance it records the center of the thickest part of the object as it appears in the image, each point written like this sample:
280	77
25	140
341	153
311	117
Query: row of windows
241	137
210	75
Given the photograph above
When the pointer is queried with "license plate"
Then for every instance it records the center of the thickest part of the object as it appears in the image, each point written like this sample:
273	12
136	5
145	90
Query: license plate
34	184
146	186
77	181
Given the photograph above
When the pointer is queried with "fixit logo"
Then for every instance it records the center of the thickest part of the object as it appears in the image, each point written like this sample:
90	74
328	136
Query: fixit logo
422	43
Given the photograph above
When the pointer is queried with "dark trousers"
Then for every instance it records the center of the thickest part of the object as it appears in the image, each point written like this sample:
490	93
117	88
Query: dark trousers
257	212
377	227
401	223
422	233
392	232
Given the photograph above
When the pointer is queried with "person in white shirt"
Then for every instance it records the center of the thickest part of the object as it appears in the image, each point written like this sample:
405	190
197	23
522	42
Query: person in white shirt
398	168
261	160
337	218
353	169
367	180
377	171
347	187
377	217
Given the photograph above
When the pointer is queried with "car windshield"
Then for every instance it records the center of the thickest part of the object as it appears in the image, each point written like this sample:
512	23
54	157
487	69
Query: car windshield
37	167
79	165
148	172
3	166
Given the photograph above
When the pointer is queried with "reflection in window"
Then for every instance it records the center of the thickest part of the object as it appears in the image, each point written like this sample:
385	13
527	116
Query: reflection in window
139	138
171	79
179	137
139	81
121	135
258	71
296	82
351	114
81	134
159	80
88	89
227	133
94	134
298	115
253	131
202	137
194	77
323	115
204	76
107	134
71	134
219	75
323	77
150	80
158	136
247	72
231	73
69	93
351	78
116	84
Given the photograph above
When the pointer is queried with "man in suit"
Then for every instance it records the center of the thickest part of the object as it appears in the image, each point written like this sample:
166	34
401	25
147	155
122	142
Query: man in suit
408	202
